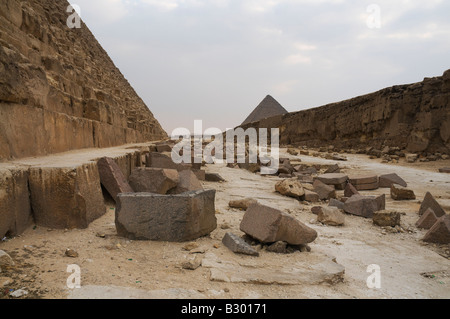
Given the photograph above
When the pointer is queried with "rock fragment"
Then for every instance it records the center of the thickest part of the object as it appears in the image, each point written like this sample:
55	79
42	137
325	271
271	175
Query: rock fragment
338	180
153	180
290	187
401	193
386	180
332	216
187	182
112	178
350	190
242	203
440	232
213	177
369	182
430	202
364	206
324	191
386	218
427	220
238	245
269	225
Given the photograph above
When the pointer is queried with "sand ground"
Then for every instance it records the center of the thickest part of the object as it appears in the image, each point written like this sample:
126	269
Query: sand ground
114	267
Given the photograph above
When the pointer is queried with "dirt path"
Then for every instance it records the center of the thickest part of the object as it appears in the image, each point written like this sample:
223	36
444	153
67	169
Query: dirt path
114	267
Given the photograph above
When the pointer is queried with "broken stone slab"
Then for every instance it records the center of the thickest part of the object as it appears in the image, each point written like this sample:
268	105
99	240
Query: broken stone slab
213	177
440	232
173	218
430	202
311	196
386	180
332	216
290	187
15	205
163	160
386	218
333	169
336	203
66	197
311	269
112	177
338	180
200	174
401	193
444	170
365	206
238	245
187	181
350	190
192	263
304	179
324	191
153	180
369	182
427	220
269	225
164	147
242	203
307	171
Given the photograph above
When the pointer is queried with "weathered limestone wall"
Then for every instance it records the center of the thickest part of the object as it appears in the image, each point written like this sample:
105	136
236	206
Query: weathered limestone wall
59	90
414	117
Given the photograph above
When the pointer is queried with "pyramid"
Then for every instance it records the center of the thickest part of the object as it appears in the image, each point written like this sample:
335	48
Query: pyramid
59	90
267	108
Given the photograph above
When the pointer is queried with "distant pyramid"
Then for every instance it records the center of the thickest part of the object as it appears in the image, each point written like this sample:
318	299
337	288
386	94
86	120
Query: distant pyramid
267	108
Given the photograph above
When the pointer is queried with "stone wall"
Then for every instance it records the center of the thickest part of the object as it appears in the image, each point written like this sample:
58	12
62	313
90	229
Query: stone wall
59	90
414	117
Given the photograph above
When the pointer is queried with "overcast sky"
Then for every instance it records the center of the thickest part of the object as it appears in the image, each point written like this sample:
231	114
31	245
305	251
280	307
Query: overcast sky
215	60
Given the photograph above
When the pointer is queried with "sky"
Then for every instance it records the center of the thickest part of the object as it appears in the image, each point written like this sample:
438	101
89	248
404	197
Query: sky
215	60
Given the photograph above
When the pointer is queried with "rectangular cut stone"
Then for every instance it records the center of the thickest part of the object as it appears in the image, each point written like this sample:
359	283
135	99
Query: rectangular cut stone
160	160
364	206
364	182
333	178
173	218
112	177
66	197
269	225
15	207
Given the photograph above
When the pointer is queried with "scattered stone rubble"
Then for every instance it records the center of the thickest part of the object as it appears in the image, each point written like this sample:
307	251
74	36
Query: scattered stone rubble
306	183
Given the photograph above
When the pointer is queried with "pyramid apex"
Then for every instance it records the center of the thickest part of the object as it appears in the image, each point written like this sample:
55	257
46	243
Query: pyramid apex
268	107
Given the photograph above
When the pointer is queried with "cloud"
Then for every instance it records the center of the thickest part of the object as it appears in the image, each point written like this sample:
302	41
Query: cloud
102	11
